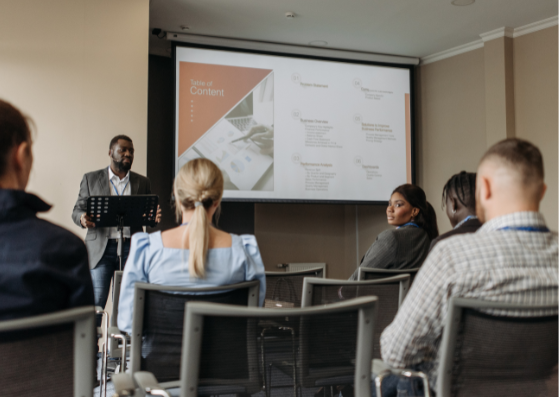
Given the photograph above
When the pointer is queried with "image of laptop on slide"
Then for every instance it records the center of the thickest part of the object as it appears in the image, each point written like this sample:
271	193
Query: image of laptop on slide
227	144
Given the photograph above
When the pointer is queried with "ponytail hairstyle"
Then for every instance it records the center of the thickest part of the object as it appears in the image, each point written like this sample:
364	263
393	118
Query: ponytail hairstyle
426	219
198	185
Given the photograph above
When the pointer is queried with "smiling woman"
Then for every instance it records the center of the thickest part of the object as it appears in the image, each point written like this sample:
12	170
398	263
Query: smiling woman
406	246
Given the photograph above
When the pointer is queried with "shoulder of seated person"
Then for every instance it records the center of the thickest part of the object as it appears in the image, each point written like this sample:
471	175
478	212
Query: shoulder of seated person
388	234
140	238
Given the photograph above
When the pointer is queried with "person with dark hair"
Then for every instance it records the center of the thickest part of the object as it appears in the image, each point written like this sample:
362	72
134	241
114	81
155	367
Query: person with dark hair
44	267
512	258
406	246
460	202
115	180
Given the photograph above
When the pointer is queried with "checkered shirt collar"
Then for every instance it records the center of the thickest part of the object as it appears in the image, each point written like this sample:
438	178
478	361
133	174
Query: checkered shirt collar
525	218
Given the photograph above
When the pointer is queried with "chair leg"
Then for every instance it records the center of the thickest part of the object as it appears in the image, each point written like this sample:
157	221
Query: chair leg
103	388
267	384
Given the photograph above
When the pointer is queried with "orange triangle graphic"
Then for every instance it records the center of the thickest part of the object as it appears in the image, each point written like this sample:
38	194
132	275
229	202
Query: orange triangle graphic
201	106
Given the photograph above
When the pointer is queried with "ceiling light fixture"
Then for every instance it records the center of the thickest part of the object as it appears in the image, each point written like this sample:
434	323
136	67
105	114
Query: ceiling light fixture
184	27
463	2
290	15
319	43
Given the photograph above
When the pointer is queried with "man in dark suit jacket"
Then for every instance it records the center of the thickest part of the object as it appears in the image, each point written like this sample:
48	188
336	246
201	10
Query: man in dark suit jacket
116	180
43	267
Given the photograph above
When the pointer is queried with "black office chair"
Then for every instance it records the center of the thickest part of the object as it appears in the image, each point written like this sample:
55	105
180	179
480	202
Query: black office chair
367	273
285	289
390	292
492	349
157	325
211	364
49	355
496	355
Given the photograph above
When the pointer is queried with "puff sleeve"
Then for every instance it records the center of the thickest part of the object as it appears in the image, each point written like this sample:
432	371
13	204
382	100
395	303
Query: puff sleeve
134	271
254	268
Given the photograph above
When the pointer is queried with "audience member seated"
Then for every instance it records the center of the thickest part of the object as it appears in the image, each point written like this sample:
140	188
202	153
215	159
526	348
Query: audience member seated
44	268
511	258
406	246
459	199
195	254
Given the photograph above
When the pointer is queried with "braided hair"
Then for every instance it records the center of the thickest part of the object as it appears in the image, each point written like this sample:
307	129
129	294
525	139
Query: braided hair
463	185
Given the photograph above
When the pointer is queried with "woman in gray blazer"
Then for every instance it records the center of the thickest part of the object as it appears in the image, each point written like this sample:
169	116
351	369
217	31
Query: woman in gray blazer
407	245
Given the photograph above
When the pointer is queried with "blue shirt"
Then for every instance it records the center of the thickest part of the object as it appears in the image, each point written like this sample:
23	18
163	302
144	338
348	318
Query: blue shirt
150	262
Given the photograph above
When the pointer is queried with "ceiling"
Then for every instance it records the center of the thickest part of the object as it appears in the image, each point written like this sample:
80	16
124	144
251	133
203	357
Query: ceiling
414	28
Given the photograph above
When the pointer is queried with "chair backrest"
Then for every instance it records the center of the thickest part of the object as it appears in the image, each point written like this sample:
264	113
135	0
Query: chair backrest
390	291
159	317
117	281
367	273
49	355
297	267
331	339
496	354
288	286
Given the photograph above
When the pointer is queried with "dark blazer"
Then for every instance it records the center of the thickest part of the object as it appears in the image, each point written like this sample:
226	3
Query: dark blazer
470	226
97	183
43	267
403	248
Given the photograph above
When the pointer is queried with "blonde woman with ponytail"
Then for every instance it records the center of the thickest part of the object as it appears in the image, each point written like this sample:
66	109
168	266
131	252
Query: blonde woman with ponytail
194	254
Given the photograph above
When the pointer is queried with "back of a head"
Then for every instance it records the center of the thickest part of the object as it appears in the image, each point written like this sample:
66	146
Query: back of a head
198	186
463	185
14	129
517	170
427	219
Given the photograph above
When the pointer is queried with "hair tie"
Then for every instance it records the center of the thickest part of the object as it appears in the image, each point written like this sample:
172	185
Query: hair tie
197	204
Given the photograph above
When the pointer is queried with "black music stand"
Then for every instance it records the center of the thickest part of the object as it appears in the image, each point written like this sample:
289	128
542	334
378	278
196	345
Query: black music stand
121	212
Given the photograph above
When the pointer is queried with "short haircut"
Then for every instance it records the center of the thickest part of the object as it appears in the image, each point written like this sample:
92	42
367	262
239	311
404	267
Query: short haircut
521	155
463	185
114	141
14	129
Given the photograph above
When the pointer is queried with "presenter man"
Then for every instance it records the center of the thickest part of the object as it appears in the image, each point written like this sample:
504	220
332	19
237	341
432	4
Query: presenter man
101	243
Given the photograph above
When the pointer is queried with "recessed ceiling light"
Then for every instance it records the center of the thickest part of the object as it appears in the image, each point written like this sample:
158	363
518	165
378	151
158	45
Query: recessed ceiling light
184	27
463	2
319	43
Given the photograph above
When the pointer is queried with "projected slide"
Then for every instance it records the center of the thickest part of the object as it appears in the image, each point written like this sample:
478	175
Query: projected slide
283	128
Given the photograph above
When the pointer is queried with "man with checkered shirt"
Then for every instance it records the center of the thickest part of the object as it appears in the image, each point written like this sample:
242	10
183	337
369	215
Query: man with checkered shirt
512	258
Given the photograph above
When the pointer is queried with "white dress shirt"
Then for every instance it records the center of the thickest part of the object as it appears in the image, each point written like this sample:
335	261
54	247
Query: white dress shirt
494	264
119	187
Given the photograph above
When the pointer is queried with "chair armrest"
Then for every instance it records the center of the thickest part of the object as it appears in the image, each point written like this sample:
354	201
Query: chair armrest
381	370
147	382
124	385
115	331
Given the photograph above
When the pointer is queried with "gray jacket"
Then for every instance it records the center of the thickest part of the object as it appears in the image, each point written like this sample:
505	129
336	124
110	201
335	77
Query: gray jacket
97	183
403	248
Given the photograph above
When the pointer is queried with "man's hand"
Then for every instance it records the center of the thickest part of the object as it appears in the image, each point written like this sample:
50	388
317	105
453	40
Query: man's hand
86	222
263	137
158	215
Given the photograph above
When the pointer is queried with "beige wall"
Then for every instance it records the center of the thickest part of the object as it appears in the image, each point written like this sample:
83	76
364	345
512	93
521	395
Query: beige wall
535	94
451	126
453	130
79	68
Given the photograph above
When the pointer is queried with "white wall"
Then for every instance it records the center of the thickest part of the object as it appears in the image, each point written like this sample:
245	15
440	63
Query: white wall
79	68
